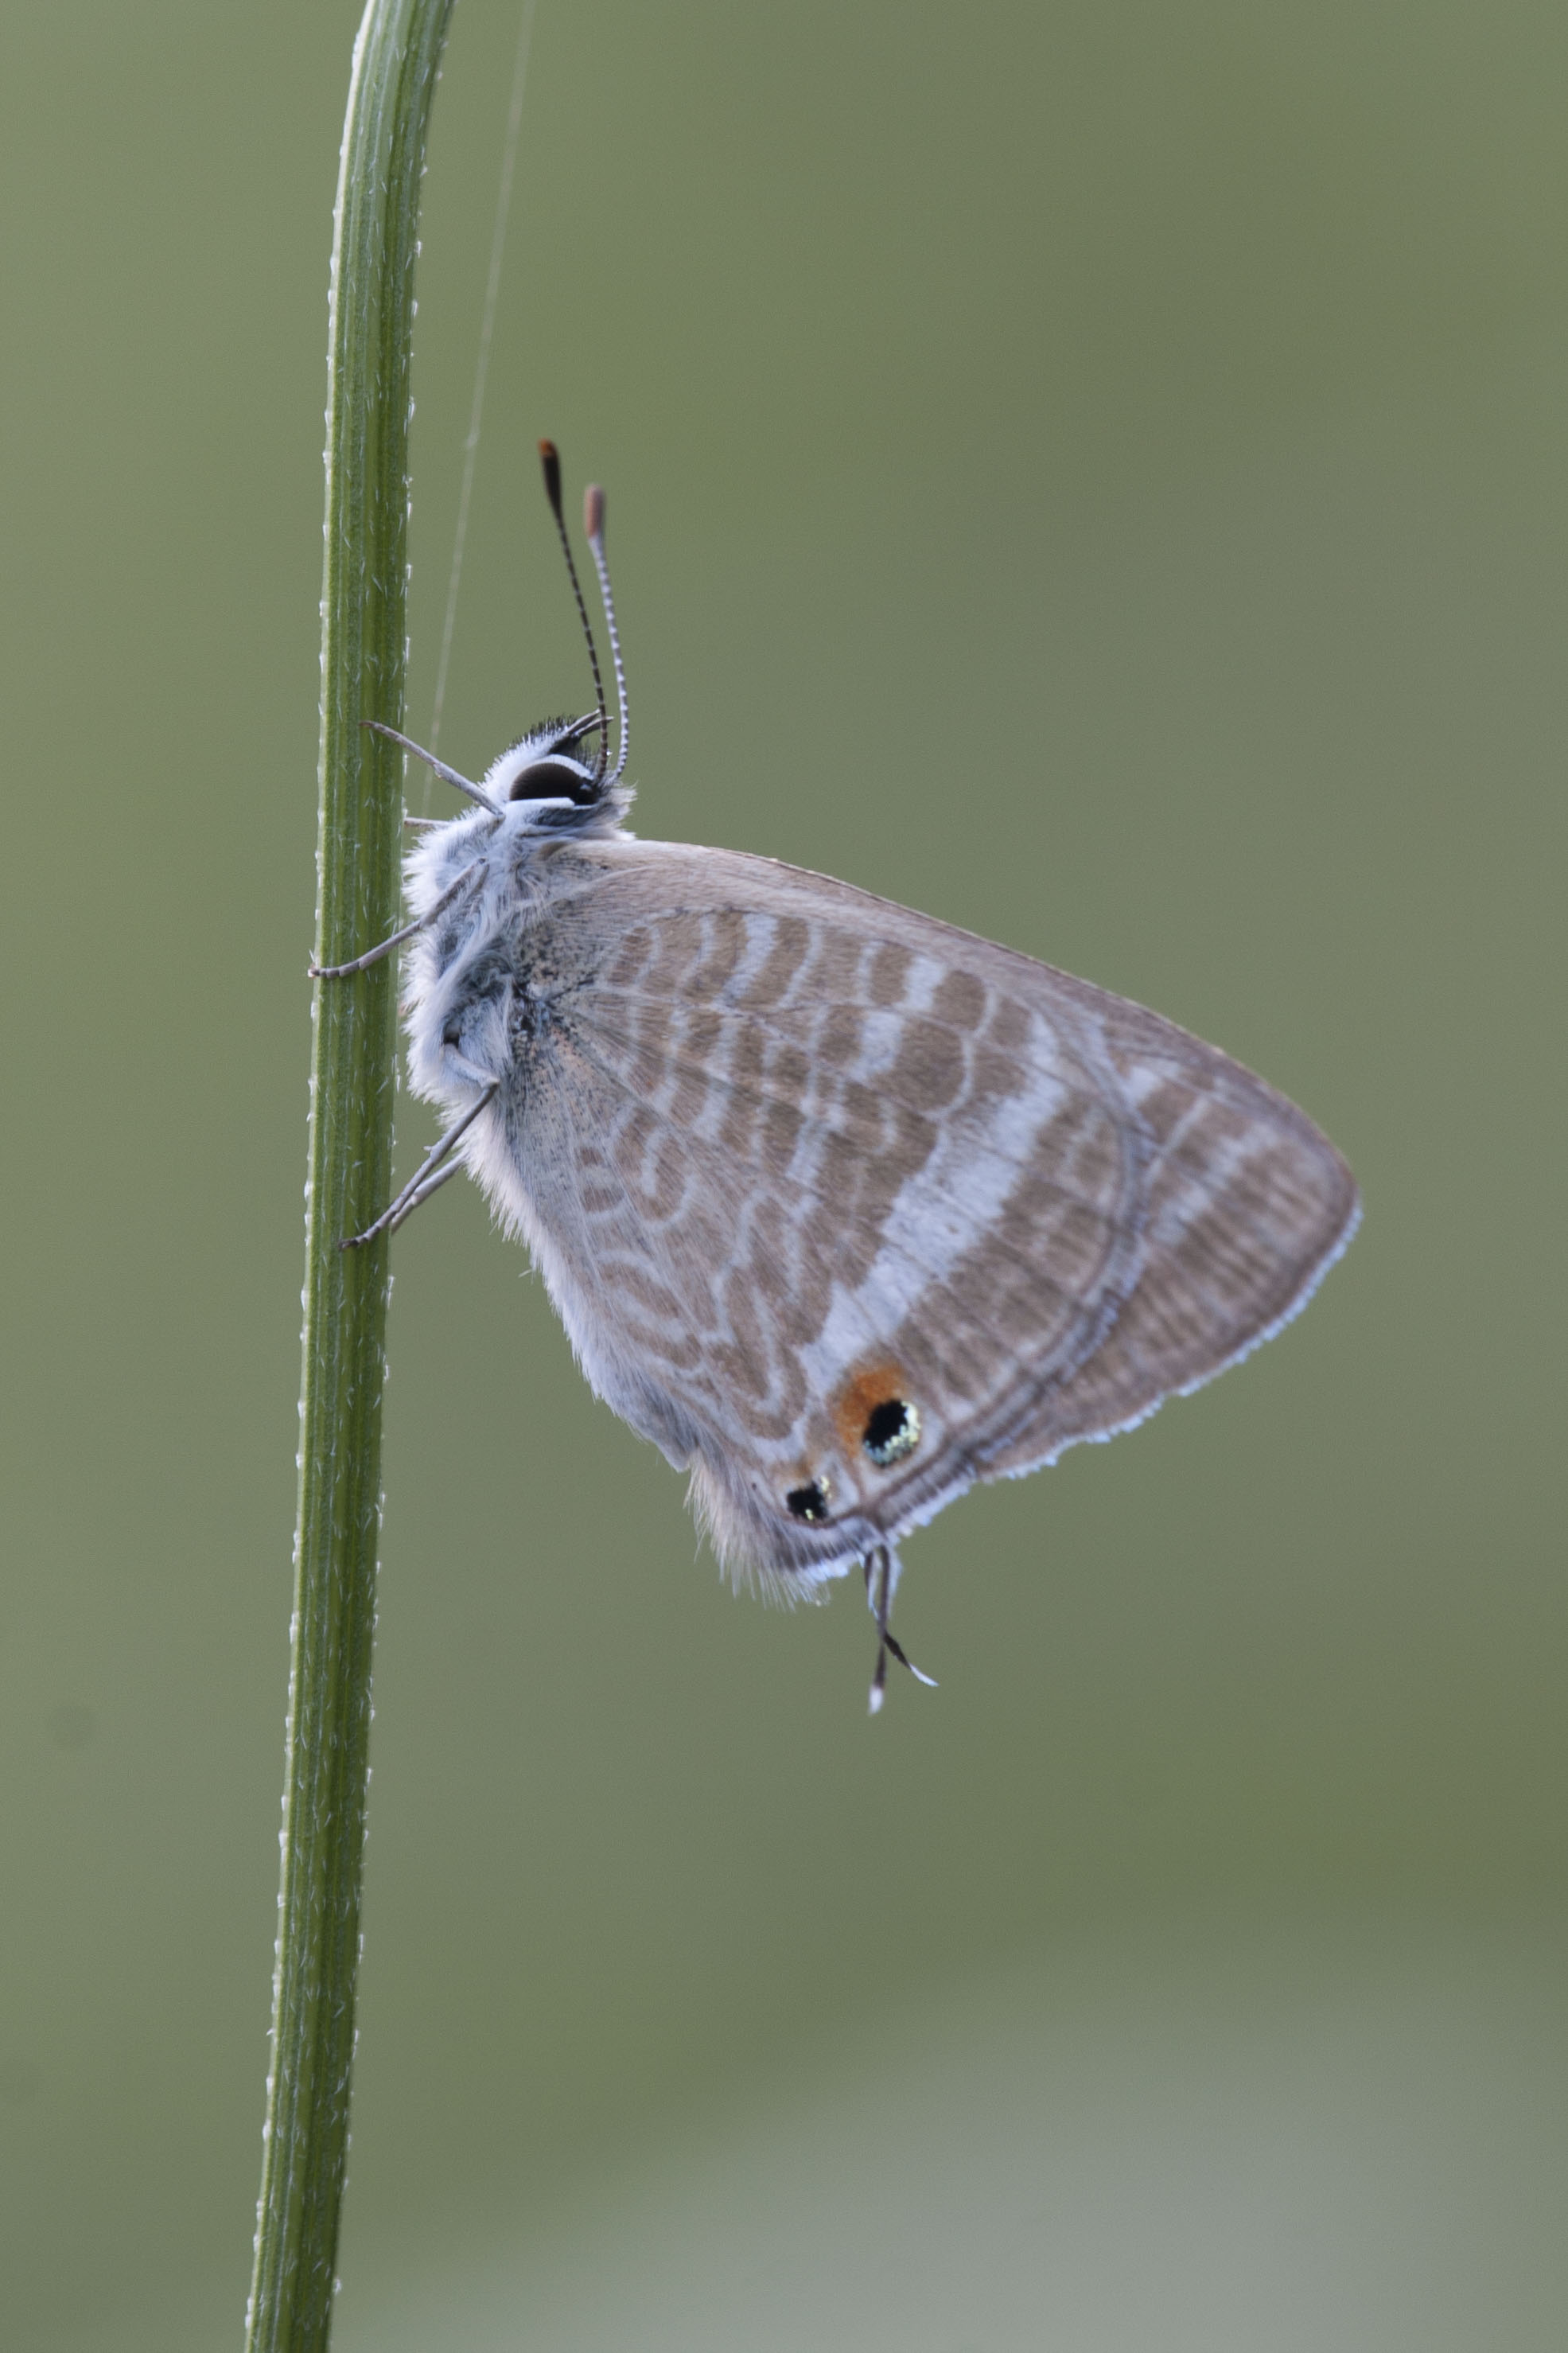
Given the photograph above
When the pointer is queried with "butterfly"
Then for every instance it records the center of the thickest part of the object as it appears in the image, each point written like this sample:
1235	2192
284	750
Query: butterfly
842	1207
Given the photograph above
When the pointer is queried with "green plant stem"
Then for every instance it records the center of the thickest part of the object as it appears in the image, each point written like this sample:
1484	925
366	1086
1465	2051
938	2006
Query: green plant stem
351	1085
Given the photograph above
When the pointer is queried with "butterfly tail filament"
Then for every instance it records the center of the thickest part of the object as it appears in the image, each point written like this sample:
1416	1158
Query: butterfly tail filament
881	1569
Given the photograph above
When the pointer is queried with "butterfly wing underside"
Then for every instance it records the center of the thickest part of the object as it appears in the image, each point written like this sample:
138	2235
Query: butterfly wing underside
848	1208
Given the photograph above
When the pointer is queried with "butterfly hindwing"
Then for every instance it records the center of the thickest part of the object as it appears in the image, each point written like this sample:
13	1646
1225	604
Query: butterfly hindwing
848	1209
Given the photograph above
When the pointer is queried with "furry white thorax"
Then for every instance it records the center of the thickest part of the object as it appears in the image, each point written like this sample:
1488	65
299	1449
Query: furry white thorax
509	852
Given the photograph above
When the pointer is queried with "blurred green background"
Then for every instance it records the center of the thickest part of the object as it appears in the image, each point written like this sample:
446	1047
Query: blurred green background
1095	472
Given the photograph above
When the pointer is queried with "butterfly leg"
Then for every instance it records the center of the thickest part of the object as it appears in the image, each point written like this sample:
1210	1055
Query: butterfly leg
432	1185
426	1179
385	947
880	1572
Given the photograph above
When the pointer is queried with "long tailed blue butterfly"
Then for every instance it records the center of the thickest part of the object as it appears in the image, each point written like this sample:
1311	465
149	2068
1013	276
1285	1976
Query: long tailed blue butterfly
842	1207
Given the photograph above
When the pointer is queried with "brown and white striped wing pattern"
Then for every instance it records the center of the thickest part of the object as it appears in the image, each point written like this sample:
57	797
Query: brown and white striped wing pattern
797	1159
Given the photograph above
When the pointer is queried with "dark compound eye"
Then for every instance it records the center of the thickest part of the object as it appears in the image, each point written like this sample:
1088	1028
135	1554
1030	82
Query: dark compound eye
808	1503
554	780
892	1431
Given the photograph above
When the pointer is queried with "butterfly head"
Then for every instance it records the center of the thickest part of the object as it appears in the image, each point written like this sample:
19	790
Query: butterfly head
546	771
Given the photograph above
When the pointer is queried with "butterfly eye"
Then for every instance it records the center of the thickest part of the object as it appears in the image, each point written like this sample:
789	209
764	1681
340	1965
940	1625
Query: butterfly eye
892	1431
808	1503
554	780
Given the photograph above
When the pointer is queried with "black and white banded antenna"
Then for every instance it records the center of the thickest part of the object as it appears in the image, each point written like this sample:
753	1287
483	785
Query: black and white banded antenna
550	458
594	531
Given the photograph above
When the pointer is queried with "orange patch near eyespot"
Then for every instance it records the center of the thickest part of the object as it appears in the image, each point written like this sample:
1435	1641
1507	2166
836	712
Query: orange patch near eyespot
879	1383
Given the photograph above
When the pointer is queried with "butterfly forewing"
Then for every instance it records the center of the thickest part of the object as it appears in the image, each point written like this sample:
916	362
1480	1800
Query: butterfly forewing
847	1209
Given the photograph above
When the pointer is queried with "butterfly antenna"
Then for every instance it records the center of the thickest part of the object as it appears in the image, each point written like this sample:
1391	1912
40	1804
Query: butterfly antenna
594	530
550	458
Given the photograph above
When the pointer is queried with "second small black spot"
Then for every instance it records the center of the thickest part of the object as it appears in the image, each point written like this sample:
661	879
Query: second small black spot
807	1503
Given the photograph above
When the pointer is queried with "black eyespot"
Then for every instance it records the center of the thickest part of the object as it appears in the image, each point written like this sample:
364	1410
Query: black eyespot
892	1431
554	780
807	1503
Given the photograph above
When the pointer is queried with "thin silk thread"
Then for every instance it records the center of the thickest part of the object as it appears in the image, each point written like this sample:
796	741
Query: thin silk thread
487	337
